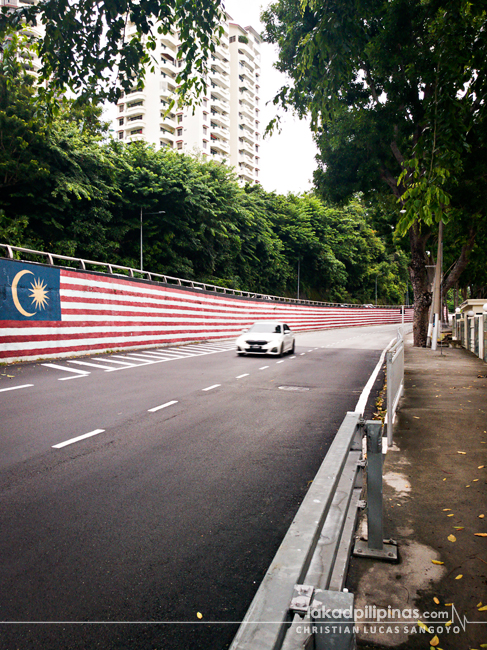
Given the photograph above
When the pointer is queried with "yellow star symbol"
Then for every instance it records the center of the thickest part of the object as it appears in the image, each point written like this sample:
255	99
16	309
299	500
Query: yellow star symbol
38	293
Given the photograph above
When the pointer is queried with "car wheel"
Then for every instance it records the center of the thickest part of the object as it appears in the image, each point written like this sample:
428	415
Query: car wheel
240	354
291	351
281	351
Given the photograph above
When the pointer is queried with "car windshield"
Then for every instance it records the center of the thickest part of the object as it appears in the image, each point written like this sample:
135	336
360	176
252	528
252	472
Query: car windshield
265	327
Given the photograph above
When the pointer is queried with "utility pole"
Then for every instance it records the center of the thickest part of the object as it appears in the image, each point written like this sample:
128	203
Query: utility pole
437	290
299	268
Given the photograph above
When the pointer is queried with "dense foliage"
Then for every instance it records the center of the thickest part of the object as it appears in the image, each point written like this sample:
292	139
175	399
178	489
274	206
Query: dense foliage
88	45
396	91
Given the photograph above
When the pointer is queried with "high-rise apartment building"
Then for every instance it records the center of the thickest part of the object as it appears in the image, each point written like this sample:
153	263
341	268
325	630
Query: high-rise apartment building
225	126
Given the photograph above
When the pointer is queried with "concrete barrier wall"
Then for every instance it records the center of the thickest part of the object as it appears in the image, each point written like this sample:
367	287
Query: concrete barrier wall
48	311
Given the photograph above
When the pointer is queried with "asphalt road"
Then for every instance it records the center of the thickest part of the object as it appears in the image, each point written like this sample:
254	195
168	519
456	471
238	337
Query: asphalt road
154	531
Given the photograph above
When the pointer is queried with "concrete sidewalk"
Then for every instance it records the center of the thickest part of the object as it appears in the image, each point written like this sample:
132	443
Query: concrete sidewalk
435	479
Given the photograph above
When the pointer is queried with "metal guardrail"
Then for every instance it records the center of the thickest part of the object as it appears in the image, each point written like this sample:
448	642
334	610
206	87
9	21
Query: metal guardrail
307	574
127	271
395	383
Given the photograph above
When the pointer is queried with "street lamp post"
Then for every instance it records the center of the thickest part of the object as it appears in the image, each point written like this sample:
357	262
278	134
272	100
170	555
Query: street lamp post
141	236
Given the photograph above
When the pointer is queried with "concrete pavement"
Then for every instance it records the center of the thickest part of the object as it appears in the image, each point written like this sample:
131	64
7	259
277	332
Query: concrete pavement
435	487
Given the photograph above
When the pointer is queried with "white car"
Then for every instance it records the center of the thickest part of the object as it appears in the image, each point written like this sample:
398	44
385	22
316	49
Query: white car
266	337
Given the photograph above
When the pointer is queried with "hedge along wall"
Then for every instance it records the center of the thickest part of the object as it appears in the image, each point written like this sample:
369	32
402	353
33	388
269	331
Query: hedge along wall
48	311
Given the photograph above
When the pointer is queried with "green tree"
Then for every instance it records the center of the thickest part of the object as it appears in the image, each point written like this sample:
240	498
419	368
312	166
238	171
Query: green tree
86	40
395	90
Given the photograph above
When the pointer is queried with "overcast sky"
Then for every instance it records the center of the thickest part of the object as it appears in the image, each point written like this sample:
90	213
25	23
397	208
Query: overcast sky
287	158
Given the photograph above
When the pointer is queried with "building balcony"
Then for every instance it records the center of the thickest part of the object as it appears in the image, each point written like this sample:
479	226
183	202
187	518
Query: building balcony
134	137
219	118
221	146
168	122
220	105
220	79
170	41
135	122
166	139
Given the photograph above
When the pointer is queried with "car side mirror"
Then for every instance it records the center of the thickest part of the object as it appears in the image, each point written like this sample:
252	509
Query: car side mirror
245	329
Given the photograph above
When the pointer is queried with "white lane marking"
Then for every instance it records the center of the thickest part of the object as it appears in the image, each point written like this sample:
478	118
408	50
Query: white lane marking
136	356
155	355
119	356
302	354
2	390
119	363
240	376
72	377
310	350
163	406
78	372
92	365
263	367
85	435
279	362
362	402
211	387
292	357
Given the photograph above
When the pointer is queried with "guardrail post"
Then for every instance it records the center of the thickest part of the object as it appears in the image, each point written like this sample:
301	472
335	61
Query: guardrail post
375	546
332	620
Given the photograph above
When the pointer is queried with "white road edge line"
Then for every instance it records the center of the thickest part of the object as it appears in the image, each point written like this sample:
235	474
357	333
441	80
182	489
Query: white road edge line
211	387
362	402
85	435
162	406
240	376
2	390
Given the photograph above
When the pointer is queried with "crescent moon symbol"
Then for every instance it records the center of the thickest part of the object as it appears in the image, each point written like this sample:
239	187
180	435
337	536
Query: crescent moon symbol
15	297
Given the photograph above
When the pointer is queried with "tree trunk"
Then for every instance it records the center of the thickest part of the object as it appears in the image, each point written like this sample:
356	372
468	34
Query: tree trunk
419	280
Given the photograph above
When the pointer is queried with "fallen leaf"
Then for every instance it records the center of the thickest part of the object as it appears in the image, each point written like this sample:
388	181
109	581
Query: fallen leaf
459	577
448	604
437	562
467	486
480	534
423	626
481	467
458	527
416	417
435	641
462	452
481	516
446	509
199	614
444	479
448	623
483	609
475	480
435	600
450	515
452	538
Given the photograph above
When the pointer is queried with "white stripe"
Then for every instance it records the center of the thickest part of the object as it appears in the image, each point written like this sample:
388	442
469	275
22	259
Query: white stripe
211	387
79	372
263	367
91	365
85	435
72	377
279	361
120	363
362	402
240	376
162	406
3	390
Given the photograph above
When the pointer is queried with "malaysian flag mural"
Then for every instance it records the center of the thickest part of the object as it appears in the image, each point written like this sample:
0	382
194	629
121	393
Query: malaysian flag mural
54	312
